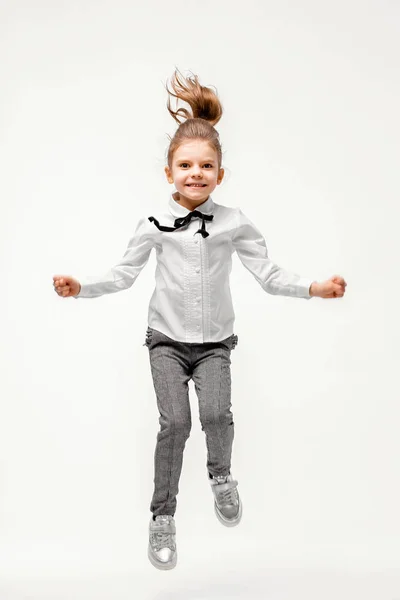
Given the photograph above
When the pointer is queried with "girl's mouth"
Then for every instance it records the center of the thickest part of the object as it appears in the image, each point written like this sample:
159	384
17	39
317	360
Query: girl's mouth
196	185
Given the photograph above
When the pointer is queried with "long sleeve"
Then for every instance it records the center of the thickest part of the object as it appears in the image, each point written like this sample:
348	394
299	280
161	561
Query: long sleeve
124	273
251	248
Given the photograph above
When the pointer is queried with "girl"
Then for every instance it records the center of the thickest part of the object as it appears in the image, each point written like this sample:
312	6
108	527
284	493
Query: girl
190	332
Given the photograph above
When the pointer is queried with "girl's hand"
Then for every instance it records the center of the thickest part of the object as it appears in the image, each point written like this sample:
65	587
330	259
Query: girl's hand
66	286
334	287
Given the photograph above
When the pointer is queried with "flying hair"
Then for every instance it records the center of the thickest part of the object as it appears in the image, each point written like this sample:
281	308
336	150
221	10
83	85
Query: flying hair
206	111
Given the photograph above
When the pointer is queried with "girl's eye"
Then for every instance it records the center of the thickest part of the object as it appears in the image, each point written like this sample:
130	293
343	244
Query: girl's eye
183	164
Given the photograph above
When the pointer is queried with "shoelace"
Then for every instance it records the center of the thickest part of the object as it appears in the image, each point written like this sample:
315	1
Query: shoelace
228	496
163	539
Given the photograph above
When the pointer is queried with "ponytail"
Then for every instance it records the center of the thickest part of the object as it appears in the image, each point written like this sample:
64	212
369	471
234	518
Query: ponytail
206	111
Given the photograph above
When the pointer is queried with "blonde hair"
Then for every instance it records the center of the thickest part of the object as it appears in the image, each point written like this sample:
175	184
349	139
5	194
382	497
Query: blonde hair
199	125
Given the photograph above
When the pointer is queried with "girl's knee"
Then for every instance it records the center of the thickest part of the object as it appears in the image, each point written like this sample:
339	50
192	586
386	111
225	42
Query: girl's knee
212	418
176	426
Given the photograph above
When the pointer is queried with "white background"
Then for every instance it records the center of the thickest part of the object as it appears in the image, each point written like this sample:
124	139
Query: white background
310	137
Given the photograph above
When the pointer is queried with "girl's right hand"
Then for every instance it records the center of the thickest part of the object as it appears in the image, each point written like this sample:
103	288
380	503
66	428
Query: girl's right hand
66	286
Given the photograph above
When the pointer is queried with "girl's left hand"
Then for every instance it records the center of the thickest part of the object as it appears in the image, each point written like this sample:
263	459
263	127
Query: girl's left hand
334	287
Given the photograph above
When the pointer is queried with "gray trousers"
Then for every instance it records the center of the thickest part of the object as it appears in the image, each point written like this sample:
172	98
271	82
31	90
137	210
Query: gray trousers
173	364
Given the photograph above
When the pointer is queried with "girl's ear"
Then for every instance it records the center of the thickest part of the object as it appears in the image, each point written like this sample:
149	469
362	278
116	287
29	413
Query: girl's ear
220	176
168	174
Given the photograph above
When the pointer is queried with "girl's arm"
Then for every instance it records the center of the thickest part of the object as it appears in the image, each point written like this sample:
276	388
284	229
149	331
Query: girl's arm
122	275
251	248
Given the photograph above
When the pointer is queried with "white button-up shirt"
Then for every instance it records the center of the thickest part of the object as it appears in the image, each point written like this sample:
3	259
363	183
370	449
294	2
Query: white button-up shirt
192	300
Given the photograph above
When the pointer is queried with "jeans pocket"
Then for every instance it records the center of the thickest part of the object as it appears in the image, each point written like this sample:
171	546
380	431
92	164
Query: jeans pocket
149	336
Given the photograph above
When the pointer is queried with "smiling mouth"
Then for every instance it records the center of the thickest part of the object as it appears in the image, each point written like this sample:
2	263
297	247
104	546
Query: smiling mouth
196	186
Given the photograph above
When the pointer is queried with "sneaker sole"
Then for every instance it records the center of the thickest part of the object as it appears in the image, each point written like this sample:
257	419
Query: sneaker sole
161	565
229	522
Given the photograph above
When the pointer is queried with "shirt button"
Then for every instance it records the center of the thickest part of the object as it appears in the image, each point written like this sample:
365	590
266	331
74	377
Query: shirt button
196	241
198	326
198	270
198	299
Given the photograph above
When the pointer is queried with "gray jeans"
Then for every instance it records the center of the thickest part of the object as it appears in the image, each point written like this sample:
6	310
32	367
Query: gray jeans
173	364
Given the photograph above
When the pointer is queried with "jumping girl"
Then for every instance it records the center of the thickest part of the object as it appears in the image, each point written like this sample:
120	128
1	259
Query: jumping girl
190	333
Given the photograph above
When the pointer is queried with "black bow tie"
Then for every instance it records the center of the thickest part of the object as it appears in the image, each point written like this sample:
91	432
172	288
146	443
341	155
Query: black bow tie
181	221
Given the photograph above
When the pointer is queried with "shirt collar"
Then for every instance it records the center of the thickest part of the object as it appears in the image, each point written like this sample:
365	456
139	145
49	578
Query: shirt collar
177	210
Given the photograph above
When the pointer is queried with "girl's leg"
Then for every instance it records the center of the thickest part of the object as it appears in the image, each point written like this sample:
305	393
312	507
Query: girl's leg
212	379
171	374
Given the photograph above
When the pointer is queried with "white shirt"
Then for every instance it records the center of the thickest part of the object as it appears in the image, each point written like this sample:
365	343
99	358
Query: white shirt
192	300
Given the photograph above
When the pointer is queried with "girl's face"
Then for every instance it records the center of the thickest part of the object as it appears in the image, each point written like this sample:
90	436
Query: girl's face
194	162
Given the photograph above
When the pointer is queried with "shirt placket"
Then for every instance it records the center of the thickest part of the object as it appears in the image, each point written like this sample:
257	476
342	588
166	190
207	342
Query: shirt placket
193	284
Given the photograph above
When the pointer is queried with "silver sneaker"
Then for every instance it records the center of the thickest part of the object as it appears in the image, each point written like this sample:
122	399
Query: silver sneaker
162	545
227	503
